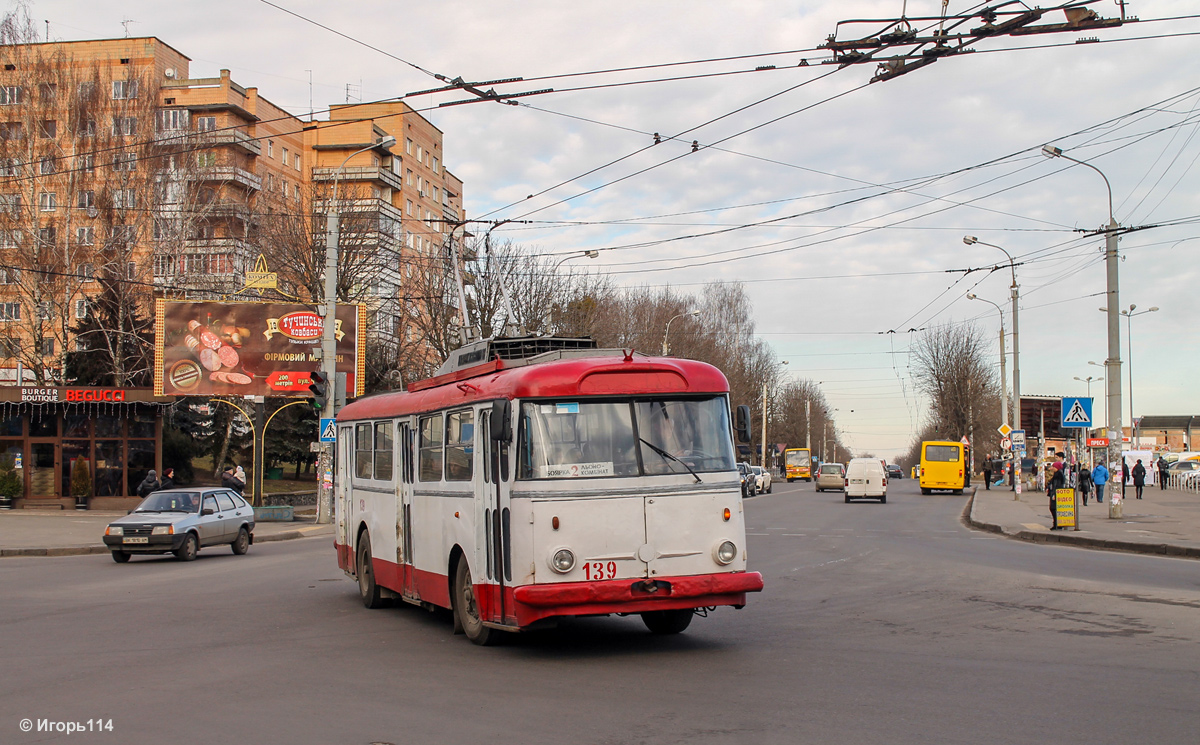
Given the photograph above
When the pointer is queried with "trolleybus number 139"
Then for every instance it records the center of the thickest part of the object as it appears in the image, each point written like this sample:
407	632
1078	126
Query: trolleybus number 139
599	570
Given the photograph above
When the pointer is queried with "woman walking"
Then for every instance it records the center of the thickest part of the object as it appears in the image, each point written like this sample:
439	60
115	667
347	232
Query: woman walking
1139	478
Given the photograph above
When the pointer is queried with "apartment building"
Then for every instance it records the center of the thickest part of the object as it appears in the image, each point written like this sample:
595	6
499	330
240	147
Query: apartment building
124	178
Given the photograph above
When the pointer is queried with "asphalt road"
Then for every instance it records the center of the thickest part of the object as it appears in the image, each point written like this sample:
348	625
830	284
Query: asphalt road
879	624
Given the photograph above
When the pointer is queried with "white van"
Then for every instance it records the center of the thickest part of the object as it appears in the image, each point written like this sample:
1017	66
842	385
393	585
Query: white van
866	478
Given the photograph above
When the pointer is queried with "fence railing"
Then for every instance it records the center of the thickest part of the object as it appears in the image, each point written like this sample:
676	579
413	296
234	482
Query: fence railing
293	498
1188	482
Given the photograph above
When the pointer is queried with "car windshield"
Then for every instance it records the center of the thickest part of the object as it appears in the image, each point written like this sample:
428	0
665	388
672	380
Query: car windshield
170	501
572	439
797	458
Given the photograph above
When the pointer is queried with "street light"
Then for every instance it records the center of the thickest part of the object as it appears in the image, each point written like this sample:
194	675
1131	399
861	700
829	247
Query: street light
1129	314
1112	369
1003	369
580	255
667	330
1089	380
1014	292
1101	366
328	345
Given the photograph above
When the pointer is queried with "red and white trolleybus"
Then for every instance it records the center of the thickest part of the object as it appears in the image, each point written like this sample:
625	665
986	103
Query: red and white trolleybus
535	479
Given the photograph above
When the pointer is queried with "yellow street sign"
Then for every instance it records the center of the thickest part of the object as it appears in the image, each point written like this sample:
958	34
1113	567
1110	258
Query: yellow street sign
1004	430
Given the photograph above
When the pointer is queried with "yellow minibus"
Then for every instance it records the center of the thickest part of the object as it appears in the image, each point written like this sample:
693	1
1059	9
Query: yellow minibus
944	466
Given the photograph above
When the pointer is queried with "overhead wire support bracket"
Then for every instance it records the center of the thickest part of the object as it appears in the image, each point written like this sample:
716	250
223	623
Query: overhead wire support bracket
492	95
458	84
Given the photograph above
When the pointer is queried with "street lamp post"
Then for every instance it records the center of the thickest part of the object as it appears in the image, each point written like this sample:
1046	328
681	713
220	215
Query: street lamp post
667	330
1112	365
1014	292
1129	315
328	343
1097	364
557	264
1003	369
1089	380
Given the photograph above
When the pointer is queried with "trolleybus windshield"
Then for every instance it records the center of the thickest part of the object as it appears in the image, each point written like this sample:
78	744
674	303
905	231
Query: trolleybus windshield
797	458
572	439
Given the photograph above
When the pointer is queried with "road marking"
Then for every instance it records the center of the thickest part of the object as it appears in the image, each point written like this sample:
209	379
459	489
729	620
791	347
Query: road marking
758	534
797	535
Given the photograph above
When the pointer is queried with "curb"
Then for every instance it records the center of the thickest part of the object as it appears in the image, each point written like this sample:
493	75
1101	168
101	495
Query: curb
102	549
1080	541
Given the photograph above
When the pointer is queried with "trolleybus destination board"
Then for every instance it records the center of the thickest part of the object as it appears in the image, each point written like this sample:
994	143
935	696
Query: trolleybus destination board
249	349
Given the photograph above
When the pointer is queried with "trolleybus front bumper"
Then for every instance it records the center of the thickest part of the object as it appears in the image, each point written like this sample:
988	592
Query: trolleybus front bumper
535	602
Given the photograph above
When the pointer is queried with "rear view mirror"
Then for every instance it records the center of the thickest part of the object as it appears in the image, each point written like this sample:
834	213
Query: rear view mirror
742	423
500	421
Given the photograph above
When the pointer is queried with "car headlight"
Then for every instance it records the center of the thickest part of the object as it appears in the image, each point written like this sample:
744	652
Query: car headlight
725	553
563	560
114	530
163	530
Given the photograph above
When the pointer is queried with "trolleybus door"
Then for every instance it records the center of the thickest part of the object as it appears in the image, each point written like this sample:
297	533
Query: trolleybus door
404	495
343	499
494	512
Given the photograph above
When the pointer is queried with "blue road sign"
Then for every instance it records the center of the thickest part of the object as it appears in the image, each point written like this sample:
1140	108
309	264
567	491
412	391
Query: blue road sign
1077	412
328	430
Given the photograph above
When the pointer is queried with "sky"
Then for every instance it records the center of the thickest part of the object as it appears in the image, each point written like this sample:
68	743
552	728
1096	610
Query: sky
841	204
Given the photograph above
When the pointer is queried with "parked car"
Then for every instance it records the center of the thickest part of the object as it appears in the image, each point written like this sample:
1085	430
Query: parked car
831	476
1183	466
866	479
182	521
895	472
749	481
764	479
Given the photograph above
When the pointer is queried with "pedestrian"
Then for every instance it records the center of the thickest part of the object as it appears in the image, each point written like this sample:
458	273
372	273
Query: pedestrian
1139	477
168	479
240	477
987	474
227	479
148	485
1124	471
1055	480
1162	473
1099	478
1085	483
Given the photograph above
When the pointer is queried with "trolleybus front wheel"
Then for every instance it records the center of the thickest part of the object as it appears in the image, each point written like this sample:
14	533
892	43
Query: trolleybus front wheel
466	610
371	596
667	621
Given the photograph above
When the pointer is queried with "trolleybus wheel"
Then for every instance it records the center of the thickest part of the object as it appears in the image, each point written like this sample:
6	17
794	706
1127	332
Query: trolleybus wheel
667	621
371	596
467	611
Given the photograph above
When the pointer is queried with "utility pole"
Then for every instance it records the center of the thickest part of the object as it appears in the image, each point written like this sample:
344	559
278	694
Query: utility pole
807	427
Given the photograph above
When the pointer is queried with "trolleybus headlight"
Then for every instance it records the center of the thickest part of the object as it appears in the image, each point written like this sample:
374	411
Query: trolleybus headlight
725	553
563	561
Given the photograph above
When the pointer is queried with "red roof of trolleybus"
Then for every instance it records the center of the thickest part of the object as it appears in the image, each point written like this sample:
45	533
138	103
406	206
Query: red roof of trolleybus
586	376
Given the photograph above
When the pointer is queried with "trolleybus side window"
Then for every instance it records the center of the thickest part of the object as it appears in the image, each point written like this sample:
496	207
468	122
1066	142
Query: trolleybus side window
363	452
485	445
460	451
429	455
383	451
406	459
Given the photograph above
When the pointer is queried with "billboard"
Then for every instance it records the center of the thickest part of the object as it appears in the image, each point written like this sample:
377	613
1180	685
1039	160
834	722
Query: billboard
250	349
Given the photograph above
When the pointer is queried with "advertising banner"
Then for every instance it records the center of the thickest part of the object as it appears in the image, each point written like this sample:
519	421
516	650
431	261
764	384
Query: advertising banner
1064	507
250	349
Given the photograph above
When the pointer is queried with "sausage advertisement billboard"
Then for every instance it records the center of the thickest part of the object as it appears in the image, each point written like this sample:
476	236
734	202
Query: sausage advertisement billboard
250	349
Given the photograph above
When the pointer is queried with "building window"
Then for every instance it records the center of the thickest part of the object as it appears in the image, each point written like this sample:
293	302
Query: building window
408	145
10	203
10	348
297	161
284	159
85	236
123	234
10	238
86	128
85	272
86	90
11	95
81	308
408	206
9	167
85	163
85	199
123	199
46	166
10	276
409	177
47	201
124	126
48	236
436	165
48	92
10	311
285	189
206	124
47	346
164	266
172	120
125	162
44	311
48	129
270	148
124	89
12	131
420	155
206	159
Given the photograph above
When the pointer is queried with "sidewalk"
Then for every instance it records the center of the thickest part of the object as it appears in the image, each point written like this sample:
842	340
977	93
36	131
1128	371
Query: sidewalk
1163	522
71	533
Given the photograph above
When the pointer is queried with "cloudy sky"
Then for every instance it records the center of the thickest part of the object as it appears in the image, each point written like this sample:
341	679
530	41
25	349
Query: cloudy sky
841	204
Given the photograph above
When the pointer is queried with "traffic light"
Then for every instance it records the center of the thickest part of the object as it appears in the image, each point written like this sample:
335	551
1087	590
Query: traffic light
319	386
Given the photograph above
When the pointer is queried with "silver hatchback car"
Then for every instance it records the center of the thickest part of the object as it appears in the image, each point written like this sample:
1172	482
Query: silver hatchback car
182	521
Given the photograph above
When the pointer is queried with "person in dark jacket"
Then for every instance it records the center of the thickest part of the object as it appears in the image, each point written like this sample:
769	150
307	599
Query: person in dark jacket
229	481
1139	478
1162	473
168	479
1085	483
1124	472
148	485
1055	479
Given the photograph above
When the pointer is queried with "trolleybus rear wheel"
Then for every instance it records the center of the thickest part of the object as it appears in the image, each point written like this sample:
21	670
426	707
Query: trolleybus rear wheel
667	621
466	610
371	596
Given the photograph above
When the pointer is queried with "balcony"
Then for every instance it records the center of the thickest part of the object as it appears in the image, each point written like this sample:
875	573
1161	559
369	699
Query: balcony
228	175
226	137
375	174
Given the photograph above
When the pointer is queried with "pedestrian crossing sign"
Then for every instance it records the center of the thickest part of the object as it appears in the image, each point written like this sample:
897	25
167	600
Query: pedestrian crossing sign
329	430
1077	412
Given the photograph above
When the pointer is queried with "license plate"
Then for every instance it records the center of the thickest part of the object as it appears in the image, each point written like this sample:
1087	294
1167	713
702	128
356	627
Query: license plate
137	539
857	481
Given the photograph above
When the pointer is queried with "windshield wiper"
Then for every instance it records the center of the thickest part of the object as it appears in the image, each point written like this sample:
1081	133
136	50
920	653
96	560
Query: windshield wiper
668	456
